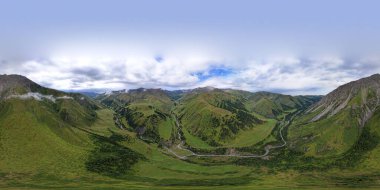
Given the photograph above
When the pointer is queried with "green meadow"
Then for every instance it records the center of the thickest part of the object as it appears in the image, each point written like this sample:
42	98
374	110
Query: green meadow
154	168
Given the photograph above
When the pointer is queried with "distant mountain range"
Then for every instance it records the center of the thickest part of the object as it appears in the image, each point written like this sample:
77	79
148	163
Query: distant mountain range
211	114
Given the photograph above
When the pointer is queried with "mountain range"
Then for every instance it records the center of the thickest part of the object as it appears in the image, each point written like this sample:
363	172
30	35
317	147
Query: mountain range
205	136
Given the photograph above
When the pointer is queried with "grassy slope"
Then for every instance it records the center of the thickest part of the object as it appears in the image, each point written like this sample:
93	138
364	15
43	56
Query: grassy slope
45	154
327	137
162	171
245	138
371	162
33	140
210	116
199	109
149	109
194	141
166	128
104	119
264	106
253	135
159	165
207	117
272	105
40	150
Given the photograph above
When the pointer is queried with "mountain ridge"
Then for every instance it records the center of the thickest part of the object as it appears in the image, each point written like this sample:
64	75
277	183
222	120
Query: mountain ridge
343	113
157	136
227	110
340	97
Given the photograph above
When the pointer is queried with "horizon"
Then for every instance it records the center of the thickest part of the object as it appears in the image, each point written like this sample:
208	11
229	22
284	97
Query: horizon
105	91
292	47
184	89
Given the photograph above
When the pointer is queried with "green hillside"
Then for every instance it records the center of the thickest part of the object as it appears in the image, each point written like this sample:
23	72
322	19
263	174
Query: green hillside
219	117
43	133
208	117
273	105
51	139
333	125
214	116
146	111
35	139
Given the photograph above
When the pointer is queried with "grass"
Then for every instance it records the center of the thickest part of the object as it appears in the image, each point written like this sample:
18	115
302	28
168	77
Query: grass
162	166
103	120
32	140
244	138
265	107
66	157
250	137
197	118
110	158
371	162
326	137
165	128
194	141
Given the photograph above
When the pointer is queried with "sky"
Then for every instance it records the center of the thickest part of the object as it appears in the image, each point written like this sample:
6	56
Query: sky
292	46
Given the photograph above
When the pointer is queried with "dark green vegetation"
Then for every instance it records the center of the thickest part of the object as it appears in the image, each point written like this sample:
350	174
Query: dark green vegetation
219	116
146	111
121	140
209	117
111	159
215	116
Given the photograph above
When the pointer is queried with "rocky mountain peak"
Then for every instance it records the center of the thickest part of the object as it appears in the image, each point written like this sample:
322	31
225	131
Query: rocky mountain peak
365	91
10	84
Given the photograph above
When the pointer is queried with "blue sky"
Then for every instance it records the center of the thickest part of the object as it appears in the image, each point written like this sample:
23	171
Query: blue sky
290	46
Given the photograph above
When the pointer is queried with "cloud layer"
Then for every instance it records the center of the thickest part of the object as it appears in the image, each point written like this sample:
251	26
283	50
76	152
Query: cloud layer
283	74
292	47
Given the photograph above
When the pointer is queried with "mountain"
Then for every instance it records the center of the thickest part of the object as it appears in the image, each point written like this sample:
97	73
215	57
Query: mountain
217	116
209	137
46	131
335	124
157	97
208	116
89	93
273	105
146	111
214	115
17	84
71	107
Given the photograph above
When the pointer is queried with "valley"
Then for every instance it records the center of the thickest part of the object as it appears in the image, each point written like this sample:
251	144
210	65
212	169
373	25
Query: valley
195	139
189	95
267	148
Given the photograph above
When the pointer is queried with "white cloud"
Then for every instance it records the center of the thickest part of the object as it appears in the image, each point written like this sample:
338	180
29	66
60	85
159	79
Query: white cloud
290	75
39	97
284	74
131	72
